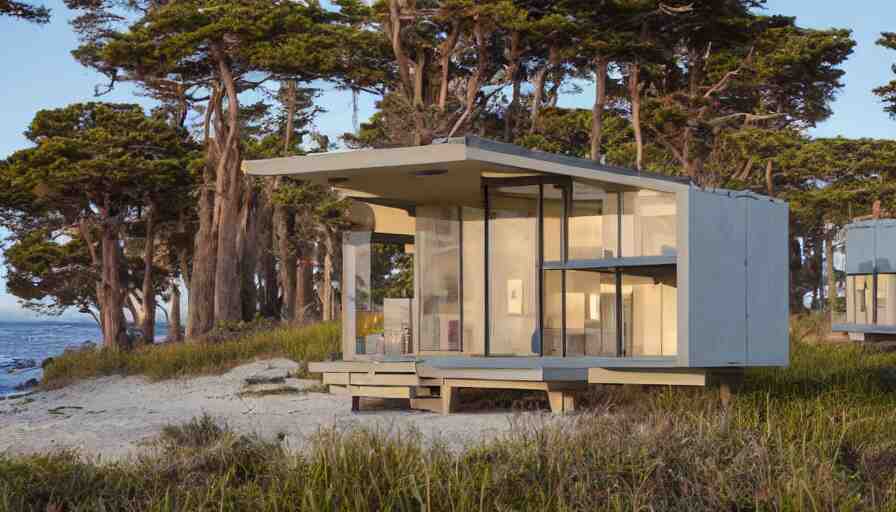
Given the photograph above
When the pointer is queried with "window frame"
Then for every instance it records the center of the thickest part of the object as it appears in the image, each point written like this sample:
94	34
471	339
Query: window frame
616	265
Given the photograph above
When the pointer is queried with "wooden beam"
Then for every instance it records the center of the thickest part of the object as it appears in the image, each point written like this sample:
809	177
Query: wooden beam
362	367
384	379
428	404
336	378
496	384
694	377
382	391
339	390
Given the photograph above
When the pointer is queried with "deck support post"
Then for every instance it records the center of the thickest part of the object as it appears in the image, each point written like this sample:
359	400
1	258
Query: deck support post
729	384
562	402
449	398
356	403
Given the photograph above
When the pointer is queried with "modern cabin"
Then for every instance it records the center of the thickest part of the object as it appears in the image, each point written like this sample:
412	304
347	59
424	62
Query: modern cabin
523	269
868	312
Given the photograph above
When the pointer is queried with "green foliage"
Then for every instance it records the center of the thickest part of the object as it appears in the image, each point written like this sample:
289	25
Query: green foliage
171	360
24	11
92	167
49	276
887	92
814	436
392	272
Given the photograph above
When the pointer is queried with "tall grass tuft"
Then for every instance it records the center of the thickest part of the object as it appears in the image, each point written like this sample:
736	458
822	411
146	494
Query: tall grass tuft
170	360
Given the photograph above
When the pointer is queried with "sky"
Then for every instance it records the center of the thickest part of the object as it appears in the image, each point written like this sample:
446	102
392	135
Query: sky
39	72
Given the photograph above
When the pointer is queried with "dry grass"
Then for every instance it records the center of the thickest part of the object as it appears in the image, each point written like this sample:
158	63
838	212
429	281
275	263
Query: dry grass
157	362
820	435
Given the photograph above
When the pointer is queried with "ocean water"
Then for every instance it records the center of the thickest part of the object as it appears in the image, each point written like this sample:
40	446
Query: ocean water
38	341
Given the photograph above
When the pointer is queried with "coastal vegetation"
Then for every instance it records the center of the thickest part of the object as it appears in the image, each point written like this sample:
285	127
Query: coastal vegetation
814	436
317	342
720	91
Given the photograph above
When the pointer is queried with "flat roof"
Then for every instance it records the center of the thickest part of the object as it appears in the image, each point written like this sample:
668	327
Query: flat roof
449	171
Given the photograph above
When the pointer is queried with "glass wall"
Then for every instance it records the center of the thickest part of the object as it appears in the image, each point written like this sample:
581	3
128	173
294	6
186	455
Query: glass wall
513	270
886	293
438	254
553	287
859	301
867	305
590	313
380	289
553	312
473	282
650	309
592	225
553	208
650	224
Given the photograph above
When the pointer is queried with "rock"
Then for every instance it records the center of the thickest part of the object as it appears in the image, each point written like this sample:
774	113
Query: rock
21	364
88	345
46	362
28	384
270	376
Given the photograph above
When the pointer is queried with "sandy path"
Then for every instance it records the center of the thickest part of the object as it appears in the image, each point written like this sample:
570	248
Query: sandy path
113	417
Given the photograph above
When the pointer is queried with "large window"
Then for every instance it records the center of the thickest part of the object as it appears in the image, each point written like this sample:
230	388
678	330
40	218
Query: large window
650	306
438	253
595	298
650	224
871	299
513	270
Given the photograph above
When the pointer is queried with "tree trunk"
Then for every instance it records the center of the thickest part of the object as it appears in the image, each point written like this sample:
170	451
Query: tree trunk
304	294
149	295
769	179
600	104
174	329
445	51
284	232
228	191
634	91
113	295
327	286
201	291
247	244
538	91
266	267
420	133
510	118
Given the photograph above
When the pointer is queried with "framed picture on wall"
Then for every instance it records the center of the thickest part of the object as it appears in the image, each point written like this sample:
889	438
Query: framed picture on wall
514	296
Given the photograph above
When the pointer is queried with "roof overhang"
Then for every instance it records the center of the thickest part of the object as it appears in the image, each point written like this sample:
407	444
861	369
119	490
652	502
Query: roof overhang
446	173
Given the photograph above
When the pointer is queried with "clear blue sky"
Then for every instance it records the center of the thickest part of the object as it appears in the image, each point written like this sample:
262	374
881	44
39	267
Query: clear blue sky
38	72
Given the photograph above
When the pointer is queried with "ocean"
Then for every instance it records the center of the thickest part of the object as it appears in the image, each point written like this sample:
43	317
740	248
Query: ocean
38	341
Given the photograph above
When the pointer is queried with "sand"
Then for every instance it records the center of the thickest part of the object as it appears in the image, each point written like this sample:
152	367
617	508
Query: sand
114	418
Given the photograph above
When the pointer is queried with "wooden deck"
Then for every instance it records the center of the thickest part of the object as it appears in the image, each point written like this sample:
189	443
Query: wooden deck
431	387
432	384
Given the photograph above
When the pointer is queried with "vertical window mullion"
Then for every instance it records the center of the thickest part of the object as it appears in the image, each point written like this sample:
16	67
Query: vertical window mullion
620	321
540	327
486	292
460	274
